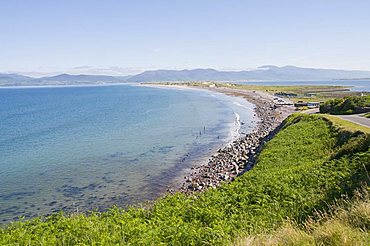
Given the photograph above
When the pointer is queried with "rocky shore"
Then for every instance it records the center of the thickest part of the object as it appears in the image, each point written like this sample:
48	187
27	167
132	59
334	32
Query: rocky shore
240	155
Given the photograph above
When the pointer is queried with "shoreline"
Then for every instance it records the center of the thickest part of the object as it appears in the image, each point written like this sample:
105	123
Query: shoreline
200	157
238	156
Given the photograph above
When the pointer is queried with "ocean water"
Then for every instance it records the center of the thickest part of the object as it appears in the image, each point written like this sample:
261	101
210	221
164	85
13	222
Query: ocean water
356	85
79	148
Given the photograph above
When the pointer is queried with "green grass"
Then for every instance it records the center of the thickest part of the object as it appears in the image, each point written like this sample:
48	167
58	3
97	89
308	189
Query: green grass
306	166
367	115
272	89
346	125
304	93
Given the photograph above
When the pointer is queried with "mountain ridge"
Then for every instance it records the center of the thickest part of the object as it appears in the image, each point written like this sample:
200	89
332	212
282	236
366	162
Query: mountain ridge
263	73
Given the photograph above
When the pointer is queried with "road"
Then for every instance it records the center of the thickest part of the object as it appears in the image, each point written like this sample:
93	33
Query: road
355	118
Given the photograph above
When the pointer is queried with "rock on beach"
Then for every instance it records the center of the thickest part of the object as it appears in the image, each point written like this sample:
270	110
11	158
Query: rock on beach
238	157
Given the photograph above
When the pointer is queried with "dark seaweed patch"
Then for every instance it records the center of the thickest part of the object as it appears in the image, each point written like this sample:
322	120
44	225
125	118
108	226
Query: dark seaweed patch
165	149
70	191
107	179
10	210
17	195
91	186
116	155
51	203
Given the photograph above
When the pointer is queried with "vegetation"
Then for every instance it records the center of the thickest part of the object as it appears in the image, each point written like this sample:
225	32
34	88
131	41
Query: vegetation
301	93
307	166
299	90
346	105
345	223
367	115
346	125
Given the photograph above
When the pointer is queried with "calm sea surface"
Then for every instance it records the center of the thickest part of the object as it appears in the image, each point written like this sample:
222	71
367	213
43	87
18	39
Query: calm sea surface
78	148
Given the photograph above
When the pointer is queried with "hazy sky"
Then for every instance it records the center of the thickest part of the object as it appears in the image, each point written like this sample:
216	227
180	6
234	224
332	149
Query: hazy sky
107	36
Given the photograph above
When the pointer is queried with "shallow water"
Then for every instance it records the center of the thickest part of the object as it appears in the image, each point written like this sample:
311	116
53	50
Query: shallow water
77	148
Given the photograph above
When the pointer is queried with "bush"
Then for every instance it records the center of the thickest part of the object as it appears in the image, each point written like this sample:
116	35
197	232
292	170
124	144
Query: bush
346	105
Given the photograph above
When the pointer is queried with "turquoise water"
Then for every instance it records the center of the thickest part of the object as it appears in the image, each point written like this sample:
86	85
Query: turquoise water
78	148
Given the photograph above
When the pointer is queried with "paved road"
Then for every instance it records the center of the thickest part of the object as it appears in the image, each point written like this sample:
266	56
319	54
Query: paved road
355	118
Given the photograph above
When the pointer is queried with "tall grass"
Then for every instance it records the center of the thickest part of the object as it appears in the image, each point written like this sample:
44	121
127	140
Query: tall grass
345	223
306	166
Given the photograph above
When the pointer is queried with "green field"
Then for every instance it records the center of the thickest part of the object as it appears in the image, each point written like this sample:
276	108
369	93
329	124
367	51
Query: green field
303	93
305	168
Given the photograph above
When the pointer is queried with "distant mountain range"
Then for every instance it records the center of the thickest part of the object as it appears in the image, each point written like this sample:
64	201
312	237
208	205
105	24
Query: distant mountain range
264	73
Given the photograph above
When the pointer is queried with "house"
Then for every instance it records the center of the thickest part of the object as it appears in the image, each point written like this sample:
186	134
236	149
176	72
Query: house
313	104
300	104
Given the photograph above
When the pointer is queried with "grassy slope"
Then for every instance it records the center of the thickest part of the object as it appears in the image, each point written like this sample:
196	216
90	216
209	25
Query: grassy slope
345	223
305	167
346	125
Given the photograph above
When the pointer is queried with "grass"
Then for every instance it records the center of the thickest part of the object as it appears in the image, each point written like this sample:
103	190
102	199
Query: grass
346	125
307	166
367	115
300	90
345	223
303	93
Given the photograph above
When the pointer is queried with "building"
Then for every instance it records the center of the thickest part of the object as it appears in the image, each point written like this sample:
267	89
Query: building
313	104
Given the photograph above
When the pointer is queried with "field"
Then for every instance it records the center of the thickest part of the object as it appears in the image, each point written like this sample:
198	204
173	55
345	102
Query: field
306	168
301	93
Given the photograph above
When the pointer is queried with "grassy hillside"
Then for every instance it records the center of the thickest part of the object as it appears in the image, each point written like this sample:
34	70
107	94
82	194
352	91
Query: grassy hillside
345	124
346	105
346	223
306	166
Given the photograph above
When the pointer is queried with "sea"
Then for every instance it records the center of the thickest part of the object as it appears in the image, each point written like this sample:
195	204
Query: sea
75	149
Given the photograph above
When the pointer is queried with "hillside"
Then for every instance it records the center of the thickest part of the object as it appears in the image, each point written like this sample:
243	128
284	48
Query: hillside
62	79
304	168
77	79
264	73
13	79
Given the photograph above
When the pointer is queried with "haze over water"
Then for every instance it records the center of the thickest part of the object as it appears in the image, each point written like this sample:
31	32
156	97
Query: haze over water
79	148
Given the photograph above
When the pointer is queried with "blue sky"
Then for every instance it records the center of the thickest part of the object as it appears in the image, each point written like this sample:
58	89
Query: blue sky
122	37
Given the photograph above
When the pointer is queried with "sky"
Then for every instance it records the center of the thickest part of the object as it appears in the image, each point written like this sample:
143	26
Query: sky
121	37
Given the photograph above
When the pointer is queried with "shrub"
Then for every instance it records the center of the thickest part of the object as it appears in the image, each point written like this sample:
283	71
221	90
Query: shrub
346	105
